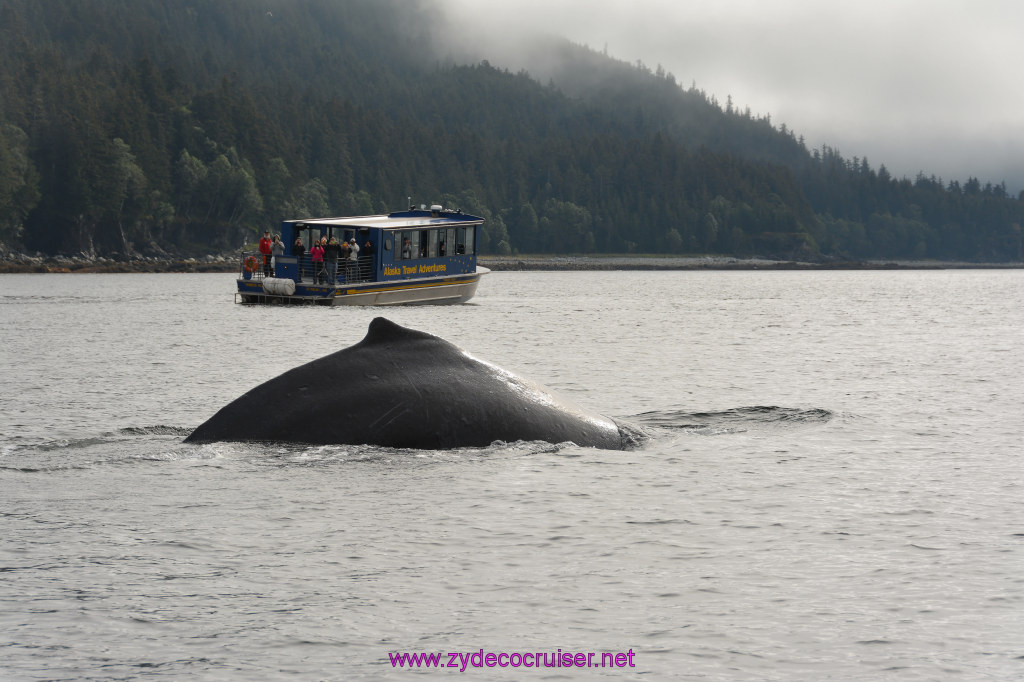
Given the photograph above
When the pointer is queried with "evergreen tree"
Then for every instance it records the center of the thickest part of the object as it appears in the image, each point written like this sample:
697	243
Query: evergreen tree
114	139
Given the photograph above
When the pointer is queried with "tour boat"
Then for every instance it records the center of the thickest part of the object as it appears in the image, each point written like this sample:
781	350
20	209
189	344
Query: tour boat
419	256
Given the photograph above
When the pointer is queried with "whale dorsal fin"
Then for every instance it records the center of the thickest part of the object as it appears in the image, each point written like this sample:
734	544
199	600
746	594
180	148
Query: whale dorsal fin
383	330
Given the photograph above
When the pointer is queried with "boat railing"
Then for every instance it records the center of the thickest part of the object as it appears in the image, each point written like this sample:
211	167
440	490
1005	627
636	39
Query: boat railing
251	265
343	271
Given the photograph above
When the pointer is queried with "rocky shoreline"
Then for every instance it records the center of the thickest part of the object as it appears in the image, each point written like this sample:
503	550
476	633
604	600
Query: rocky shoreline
22	263
11	262
712	263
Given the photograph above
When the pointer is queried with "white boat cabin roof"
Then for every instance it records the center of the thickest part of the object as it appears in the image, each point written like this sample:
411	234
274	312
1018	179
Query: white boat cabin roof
398	221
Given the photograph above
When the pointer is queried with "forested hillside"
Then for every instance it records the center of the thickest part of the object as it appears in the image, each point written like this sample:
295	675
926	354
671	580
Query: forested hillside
151	126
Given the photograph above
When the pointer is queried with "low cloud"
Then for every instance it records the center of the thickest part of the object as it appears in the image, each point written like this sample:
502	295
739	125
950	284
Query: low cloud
917	86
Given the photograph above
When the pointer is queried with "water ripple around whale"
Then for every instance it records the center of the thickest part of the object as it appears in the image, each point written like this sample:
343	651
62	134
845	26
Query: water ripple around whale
735	420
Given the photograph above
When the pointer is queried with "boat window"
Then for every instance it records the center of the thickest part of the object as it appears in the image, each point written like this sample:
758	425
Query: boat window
387	244
432	245
446	247
410	244
465	240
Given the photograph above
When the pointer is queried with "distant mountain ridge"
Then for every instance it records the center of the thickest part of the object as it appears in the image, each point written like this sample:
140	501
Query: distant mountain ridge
155	126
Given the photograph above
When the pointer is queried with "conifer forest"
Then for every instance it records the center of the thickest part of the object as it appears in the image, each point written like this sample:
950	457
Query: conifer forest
183	126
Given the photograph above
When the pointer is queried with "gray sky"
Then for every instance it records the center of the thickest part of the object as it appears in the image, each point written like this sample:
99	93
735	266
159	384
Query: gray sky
934	85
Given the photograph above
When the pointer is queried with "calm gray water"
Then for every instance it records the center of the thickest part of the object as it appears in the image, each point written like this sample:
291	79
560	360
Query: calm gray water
832	490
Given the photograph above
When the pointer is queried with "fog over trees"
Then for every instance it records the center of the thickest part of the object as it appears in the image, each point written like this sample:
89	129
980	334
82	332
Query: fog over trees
152	126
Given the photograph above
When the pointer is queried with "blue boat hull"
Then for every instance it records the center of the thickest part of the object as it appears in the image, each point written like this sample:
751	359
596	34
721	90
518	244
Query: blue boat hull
445	290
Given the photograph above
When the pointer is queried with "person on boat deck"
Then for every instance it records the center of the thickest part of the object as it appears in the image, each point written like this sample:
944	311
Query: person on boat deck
299	250
277	248
323	265
352	273
366	258
316	254
331	254
406	249
266	248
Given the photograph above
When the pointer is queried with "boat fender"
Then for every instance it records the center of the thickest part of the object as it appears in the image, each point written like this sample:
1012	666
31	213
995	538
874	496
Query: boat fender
279	286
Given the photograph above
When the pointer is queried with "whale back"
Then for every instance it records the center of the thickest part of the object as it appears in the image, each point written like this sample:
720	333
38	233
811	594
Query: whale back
404	388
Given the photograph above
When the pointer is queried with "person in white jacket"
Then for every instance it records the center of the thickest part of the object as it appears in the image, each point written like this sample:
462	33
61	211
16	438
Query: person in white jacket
352	274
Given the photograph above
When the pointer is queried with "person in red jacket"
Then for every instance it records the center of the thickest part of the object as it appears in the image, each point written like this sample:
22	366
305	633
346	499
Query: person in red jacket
316	253
266	247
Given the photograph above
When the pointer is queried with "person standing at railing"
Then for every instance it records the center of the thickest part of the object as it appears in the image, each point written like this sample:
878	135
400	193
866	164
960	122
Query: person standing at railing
278	250
331	253
366	259
352	273
343	257
266	249
316	253
299	251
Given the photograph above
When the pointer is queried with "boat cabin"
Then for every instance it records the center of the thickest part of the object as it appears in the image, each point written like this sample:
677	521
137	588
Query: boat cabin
423	247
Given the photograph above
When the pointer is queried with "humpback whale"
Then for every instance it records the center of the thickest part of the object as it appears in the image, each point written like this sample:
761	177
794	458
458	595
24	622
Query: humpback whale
405	388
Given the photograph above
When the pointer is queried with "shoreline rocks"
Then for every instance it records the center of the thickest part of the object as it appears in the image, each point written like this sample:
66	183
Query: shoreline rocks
568	263
14	262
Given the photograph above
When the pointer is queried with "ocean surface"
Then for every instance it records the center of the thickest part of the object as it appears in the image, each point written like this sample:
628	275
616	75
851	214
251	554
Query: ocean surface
832	488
